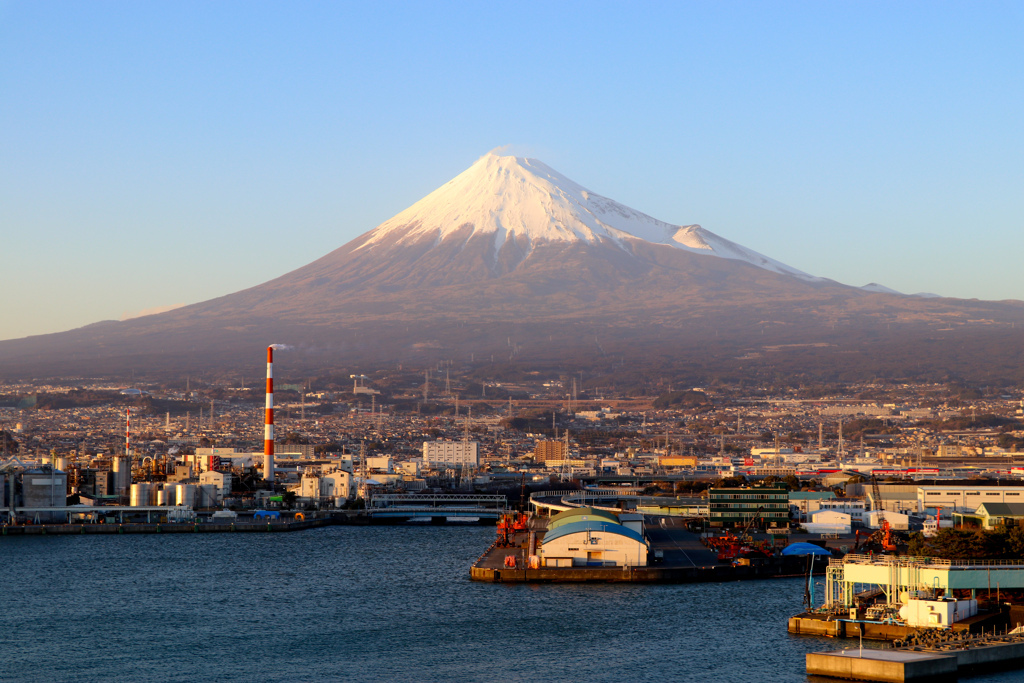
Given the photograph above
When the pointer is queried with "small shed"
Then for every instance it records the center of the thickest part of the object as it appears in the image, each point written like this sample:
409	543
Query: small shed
897	520
1000	514
829	522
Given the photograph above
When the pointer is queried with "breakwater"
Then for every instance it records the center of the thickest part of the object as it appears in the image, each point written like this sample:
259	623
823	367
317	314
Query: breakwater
943	661
247	525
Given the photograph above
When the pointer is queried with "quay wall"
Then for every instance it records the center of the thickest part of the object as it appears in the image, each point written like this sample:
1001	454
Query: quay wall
983	658
718	573
178	527
838	628
925	668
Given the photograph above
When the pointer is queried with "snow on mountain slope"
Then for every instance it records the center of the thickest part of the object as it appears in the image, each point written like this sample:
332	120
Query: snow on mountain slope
697	239
514	198
875	287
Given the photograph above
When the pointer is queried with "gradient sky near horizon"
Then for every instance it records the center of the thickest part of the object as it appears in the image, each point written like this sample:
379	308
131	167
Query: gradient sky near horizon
159	153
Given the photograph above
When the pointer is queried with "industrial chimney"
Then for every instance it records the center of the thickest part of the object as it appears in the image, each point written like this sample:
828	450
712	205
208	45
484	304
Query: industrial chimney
268	428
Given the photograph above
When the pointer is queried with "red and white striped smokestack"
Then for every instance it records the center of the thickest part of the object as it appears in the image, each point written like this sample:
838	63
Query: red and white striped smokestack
268	425
128	433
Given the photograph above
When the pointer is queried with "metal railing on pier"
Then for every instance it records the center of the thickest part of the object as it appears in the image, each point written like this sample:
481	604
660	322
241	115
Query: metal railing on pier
907	560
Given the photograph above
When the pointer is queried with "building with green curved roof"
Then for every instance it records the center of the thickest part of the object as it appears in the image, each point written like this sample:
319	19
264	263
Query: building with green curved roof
581	515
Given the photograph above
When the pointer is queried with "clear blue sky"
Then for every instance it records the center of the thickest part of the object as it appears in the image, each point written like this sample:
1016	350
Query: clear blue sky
154	153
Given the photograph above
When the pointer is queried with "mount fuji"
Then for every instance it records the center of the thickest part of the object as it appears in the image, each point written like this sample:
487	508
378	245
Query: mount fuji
512	260
518	204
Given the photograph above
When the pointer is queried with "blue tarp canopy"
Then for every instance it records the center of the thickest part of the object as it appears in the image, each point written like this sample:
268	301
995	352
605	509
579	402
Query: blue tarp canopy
804	549
274	514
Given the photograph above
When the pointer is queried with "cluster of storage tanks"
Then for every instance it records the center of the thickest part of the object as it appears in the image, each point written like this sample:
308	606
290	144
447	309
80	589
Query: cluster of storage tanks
189	495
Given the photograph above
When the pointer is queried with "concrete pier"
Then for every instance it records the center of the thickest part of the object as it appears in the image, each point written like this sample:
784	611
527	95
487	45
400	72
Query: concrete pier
945	662
815	625
896	666
683	560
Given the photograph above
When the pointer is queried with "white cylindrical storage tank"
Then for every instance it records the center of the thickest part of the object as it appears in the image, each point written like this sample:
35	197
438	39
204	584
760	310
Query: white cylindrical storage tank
140	495
187	495
61	464
168	495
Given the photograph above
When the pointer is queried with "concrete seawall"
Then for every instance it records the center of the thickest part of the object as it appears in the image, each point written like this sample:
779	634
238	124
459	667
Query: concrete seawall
719	573
980	655
248	526
883	665
836	628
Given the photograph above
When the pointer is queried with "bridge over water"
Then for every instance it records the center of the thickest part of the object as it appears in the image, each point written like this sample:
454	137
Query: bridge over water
438	507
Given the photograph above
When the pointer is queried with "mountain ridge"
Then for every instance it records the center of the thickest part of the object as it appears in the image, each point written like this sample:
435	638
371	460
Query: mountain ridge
511	249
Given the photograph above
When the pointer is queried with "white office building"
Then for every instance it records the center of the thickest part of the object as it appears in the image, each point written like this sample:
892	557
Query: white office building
440	454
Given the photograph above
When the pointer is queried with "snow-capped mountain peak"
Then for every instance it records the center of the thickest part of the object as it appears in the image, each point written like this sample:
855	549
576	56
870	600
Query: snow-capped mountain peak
521	199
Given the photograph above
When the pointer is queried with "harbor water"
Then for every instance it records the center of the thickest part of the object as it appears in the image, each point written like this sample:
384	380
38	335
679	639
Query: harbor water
387	603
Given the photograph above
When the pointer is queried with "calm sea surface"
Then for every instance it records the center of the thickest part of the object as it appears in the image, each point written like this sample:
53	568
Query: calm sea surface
367	604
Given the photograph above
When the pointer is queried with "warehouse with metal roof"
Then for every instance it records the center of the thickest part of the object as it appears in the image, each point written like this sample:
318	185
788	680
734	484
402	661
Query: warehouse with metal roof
586	537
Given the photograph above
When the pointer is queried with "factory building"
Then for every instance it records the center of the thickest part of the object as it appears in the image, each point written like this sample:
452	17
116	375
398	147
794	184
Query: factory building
336	485
300	450
96	483
221	480
44	487
586	537
204	463
965	498
894	497
440	454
